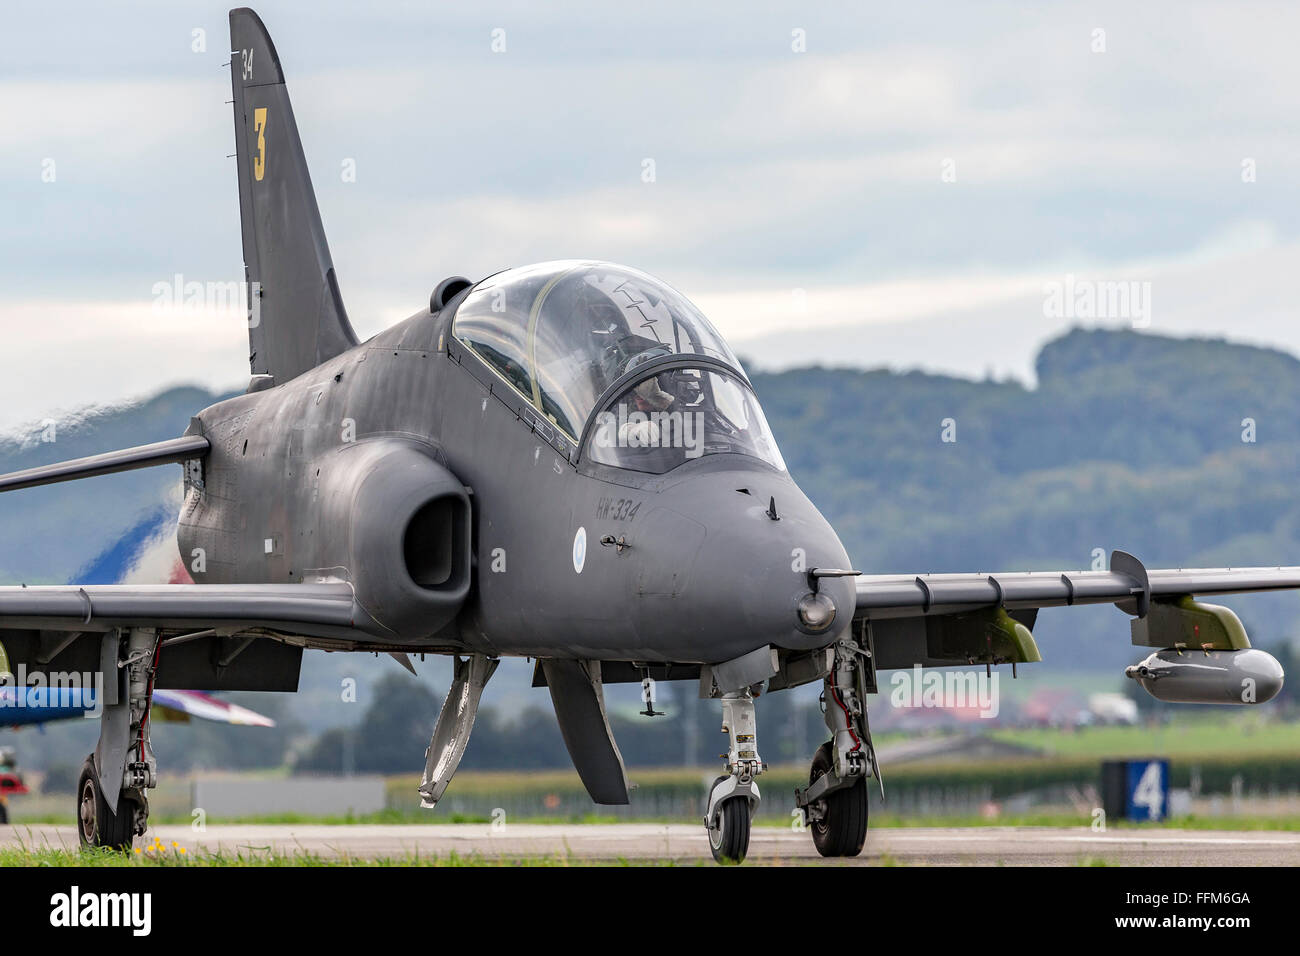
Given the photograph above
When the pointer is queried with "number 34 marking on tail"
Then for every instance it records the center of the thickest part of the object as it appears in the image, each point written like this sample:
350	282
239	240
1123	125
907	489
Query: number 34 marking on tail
259	125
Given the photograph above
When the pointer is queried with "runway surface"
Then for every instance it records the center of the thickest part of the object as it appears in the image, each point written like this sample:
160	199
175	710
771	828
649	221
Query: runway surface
687	844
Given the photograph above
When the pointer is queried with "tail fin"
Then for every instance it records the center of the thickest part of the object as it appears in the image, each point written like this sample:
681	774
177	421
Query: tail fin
296	317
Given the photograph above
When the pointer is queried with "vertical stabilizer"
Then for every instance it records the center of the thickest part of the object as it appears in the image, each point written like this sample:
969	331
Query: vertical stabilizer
296	314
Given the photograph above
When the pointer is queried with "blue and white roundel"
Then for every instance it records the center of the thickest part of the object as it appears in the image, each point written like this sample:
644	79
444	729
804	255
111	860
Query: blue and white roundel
579	549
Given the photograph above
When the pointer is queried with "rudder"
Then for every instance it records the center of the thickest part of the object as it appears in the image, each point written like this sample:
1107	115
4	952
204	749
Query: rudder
296	317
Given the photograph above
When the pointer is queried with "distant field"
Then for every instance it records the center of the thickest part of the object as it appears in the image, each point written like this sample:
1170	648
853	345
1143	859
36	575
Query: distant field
1188	737
1257	759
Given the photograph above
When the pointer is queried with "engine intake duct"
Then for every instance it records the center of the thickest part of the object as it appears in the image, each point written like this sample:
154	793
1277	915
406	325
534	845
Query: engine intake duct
404	521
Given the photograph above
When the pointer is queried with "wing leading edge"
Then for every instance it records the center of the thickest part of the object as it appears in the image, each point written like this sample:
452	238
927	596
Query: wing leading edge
213	636
898	595
172	451
298	608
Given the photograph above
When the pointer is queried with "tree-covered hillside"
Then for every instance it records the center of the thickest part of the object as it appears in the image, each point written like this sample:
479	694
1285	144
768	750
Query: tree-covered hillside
1129	440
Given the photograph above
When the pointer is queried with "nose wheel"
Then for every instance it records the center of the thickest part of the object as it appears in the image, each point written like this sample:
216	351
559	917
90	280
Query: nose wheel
729	829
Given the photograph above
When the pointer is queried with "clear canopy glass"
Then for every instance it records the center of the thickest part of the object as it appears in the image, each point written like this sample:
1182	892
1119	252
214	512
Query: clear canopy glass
674	416
562	332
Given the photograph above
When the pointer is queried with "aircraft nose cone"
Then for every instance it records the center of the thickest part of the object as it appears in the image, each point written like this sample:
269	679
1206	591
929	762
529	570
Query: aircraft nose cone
761	538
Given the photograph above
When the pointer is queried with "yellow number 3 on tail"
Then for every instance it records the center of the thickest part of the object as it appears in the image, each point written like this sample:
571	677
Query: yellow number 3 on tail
259	161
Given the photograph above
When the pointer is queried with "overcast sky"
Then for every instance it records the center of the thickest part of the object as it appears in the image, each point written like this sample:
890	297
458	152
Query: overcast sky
821	170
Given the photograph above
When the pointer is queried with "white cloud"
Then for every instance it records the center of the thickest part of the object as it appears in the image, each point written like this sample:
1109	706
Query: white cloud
61	355
997	324
775	170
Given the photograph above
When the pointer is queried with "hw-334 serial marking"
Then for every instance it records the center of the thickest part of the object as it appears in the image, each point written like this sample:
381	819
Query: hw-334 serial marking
617	509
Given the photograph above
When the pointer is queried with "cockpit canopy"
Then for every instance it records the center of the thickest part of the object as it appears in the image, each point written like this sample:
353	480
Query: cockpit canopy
677	413
562	332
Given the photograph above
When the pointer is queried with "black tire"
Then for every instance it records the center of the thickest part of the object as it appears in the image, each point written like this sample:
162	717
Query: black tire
842	830
729	839
97	826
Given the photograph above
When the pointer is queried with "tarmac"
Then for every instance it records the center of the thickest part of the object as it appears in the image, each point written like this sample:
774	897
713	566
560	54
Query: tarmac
687	844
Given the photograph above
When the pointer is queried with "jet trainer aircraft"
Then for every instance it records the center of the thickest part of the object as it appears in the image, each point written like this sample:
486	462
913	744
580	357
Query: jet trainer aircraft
563	462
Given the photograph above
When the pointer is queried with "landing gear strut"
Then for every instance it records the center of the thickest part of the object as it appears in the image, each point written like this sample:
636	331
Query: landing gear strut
734	796
112	808
834	804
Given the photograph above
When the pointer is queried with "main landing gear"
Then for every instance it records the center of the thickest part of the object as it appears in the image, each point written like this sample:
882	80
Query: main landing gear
834	803
112	808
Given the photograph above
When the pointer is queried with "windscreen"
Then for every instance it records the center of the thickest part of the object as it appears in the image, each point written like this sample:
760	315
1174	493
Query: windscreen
675	416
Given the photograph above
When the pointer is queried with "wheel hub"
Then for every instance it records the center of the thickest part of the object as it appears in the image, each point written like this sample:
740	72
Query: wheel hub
87	812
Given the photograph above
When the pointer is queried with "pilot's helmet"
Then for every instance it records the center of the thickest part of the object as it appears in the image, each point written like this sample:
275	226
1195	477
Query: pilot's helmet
648	355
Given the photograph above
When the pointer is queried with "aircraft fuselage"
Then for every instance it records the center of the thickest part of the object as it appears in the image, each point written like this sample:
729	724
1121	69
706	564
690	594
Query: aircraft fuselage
697	568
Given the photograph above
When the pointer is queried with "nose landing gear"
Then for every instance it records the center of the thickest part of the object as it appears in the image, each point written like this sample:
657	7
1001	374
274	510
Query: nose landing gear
734	797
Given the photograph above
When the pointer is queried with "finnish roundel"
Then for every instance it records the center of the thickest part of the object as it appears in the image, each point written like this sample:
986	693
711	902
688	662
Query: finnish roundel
579	549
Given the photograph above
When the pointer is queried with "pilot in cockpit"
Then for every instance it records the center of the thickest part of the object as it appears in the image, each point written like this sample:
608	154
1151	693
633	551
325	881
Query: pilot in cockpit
650	399
649	395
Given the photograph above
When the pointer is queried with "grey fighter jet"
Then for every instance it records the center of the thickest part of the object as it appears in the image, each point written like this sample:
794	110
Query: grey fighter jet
563	462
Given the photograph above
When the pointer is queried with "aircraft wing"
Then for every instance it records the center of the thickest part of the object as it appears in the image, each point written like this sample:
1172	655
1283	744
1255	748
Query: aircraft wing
172	451
214	636
298	608
894	595
183	704
932	619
